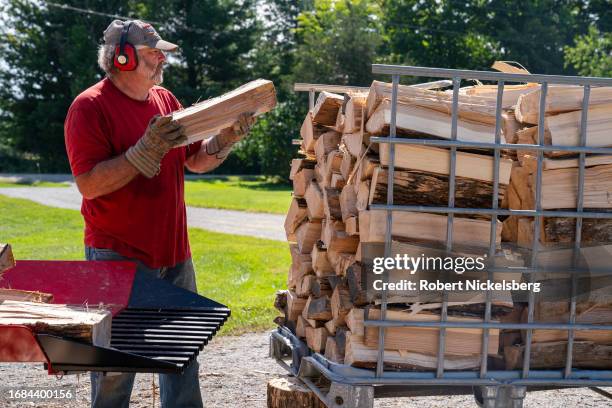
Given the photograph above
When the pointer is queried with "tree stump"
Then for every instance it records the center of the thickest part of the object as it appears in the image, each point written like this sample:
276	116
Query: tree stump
289	392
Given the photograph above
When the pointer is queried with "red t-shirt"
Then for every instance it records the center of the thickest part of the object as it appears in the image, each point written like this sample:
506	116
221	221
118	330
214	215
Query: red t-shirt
146	218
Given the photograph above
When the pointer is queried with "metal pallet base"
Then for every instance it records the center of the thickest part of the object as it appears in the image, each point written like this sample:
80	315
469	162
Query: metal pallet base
343	386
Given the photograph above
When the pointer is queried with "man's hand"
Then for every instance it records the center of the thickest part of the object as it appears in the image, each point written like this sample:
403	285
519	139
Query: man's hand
161	135
220	145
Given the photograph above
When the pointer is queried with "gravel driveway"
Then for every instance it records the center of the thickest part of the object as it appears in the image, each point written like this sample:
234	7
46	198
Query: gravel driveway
234	371
258	225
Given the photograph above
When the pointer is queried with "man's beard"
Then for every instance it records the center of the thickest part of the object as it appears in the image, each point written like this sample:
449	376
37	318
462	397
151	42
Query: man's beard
155	72
158	75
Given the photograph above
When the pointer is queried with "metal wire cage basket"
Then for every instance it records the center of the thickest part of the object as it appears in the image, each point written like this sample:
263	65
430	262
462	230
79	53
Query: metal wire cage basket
339	385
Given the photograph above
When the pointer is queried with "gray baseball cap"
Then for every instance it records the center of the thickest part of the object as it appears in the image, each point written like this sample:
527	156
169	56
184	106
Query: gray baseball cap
140	34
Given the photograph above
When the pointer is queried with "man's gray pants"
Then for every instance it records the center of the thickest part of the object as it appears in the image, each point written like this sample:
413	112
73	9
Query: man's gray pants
176	390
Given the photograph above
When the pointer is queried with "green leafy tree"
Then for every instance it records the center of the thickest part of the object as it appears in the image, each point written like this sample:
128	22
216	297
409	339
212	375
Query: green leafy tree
270	141
601	14
534	32
591	54
321	41
337	42
472	34
268	149
274	52
49	56
438	34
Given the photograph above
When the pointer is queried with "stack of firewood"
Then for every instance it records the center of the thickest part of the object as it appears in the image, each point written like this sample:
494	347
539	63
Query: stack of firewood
559	191
334	233
560	169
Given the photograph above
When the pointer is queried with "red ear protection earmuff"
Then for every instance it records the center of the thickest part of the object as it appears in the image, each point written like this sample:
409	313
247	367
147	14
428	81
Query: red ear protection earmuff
125	53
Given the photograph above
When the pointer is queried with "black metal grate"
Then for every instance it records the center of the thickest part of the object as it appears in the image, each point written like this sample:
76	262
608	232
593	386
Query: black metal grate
172	335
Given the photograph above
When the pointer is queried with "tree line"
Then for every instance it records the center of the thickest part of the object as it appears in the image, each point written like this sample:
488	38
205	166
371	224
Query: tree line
48	56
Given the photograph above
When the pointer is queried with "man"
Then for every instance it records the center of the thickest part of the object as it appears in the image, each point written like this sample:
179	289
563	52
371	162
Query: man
124	157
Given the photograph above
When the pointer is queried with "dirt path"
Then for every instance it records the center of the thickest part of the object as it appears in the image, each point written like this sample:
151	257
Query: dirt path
258	225
234	371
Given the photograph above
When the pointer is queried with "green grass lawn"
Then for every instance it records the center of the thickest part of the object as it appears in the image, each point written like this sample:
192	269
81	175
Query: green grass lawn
240	272
234	193
257	194
32	184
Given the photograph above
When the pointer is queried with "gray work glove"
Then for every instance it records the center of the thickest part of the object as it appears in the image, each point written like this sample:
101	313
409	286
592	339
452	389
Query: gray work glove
161	135
220	145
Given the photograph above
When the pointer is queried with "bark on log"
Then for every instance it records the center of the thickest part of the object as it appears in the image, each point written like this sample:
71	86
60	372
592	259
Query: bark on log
419	188
550	355
555	230
289	392
317	309
358	295
321	287
331	203
280	301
